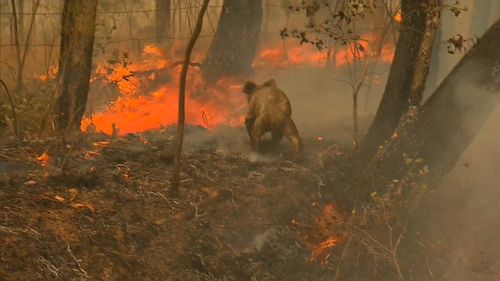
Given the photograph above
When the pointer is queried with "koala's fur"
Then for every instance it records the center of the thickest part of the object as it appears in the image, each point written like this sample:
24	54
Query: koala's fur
269	110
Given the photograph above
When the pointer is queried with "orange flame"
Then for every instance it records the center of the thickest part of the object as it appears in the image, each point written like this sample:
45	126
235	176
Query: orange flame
43	159
140	108
51	74
398	17
134	111
310	56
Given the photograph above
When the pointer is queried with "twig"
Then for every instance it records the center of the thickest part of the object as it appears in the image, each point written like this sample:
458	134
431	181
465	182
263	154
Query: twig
13	109
77	262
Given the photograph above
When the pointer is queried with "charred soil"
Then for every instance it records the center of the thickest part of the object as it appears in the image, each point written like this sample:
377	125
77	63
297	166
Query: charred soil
97	209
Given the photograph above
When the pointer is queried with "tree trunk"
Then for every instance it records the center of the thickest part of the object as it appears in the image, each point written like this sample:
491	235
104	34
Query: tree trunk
395	101
75	60
162	21
433	80
233	49
20	5
440	131
481	12
455	113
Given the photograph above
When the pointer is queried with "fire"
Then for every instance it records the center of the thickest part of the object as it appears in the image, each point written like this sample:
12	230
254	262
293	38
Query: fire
144	105
43	159
136	111
322	252
398	17
51	74
310	56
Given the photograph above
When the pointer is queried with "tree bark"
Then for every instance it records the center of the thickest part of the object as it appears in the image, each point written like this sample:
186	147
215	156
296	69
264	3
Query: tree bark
174	188
481	12
20	5
440	131
455	113
423	60
395	101
75	60
233	49
162	21
433	80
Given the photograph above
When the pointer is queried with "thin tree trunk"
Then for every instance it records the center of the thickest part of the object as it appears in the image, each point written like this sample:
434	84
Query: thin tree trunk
233	49
395	101
425	54
433	80
28	39
75	60
19	82
174	188
162	21
20	5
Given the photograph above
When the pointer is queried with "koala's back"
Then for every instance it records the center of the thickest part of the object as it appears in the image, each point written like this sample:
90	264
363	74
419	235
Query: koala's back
271	106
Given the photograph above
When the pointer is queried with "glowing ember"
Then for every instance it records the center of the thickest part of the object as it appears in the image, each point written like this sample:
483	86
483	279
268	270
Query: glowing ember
322	251
50	75
398	17
101	143
319	139
43	159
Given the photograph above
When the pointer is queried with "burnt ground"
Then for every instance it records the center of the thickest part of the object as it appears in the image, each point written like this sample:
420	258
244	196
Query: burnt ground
98	209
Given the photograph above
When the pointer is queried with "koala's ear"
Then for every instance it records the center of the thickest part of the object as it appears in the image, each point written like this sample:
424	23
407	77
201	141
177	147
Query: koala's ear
249	87
270	83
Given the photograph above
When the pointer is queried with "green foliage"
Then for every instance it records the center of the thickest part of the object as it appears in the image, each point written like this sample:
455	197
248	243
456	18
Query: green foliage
31	109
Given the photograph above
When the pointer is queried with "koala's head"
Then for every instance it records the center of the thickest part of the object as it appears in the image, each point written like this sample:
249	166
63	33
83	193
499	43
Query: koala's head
249	87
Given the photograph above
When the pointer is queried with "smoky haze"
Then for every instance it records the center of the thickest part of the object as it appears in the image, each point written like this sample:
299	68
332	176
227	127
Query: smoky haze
464	217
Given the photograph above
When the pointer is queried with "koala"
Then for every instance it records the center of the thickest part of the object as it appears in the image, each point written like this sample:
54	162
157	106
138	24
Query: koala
269	110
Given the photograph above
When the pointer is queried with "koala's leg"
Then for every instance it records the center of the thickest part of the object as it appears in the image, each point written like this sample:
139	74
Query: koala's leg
249	124
292	134
256	133
276	137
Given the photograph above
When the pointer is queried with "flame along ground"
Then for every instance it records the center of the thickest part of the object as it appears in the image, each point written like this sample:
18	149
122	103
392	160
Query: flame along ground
141	107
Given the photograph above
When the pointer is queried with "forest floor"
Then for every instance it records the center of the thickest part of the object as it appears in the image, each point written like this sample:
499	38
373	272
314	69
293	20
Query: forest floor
97	209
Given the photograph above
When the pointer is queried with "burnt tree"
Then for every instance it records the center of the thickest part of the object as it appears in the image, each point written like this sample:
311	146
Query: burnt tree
463	102
439	131
233	49
162	20
395	100
75	59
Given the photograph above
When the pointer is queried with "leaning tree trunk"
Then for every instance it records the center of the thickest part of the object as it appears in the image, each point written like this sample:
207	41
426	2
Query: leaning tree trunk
440	131
75	60
481	12
233	49
395	101
162	21
455	113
